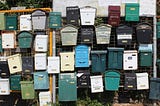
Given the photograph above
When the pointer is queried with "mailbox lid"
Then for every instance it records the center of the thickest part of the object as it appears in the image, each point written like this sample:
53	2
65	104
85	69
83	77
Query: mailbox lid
40	61
142	81
41	43
27	64
130	81
4	86
25	22
83	78
55	20
15	82
53	65
145	48
11	22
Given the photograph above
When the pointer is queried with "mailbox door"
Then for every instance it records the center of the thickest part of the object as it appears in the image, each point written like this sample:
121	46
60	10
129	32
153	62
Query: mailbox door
40	61
53	65
11	22
142	81
2	21
8	40
25	22
27	64
41	43
130	81
83	78
15	82
55	19
145	59
4	87
4	69
87	35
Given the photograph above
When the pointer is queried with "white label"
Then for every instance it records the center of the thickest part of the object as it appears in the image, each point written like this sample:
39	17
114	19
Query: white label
124	36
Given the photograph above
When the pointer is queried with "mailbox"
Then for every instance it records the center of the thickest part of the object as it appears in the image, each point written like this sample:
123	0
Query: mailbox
41	43
98	60
1	49
82	56
132	12
40	61
39	19
53	65
96	83
145	55
114	15
15	63
11	22
130	81
142	81
4	86
41	80
27	64
130	60
83	78
55	20
4	69
158	29
8	39
69	35
45	98
87	34
2	21
144	33
87	15
124	35
67	61
72	15
25	22
25	39
15	82
115	58
103	33
67	87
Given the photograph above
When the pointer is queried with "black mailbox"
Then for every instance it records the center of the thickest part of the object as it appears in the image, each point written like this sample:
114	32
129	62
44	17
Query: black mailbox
4	69
83	78
27	64
130	81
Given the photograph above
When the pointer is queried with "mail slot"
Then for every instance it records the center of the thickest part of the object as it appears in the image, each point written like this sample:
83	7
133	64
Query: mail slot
41	43
8	39
40	61
142	81
83	78
25	22
4	86
82	56
87	15
27	64
144	33
130	81
130	60
15	63
11	22
39	19
72	15
4	69
69	35
132	12
2	21
53	69
114	15
55	20
25	39
41	80
67	87
124	35
15	82
103	33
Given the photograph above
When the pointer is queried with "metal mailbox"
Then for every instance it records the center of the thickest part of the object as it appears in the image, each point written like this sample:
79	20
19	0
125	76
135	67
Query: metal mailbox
4	69
112	80
72	15
114	15
69	35
39	19
83	78
53	65
82	56
2	21
41	43
15	63
87	15
144	33
67	87
45	98
115	58
154	92
41	80
25	39
145	55
142	81
25	22
98	61
55	20
132	11
130	81
4	86
130	60
8	39
27	64
40	61
11	22
87	34
103	33
96	84
158	29
124	35
1	49
15	82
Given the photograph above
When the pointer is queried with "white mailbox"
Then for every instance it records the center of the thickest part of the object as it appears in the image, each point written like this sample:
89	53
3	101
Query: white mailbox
8	40
15	63
130	61
67	61
45	98
40	61
4	87
25	22
87	15
41	43
142	81
53	65
96	83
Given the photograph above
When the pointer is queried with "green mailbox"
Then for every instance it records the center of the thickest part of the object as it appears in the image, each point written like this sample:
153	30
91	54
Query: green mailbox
2	21
11	22
15	82
158	64
55	20
132	12
158	29
115	58
1	49
112	80
67	87
98	60
145	55
25	39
